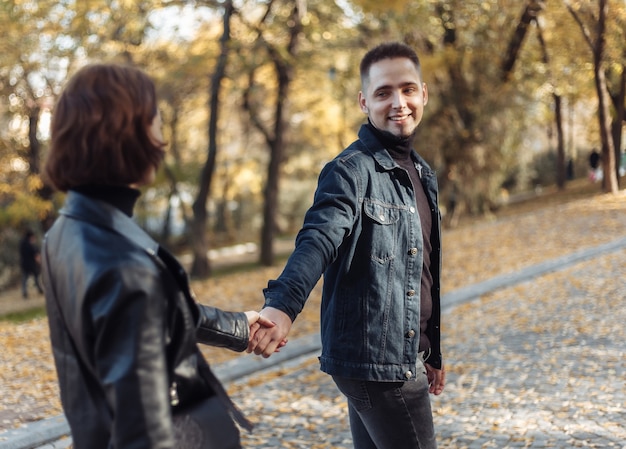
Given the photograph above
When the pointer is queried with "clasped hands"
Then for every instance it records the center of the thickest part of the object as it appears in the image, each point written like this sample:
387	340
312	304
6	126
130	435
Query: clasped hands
268	331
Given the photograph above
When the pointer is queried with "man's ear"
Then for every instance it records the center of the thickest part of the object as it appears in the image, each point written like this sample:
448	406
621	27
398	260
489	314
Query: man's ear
362	103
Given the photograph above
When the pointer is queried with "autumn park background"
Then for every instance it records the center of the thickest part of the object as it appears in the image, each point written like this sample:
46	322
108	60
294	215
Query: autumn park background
257	95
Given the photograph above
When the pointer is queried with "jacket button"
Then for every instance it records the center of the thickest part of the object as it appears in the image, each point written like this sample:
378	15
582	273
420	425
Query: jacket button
410	293
412	209
408	374
411	333
413	251
381	217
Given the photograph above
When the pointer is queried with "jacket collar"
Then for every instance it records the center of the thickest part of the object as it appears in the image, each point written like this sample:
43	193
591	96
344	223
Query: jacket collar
381	155
104	215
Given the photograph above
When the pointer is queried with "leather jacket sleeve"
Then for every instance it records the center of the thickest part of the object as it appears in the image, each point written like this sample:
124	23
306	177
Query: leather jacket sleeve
223	329
214	327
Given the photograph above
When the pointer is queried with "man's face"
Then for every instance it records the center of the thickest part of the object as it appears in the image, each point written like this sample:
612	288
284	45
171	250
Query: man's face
394	96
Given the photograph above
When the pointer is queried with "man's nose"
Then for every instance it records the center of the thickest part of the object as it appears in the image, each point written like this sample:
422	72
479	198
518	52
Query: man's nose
398	100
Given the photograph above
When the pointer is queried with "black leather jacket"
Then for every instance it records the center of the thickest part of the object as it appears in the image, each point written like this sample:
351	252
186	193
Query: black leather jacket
124	328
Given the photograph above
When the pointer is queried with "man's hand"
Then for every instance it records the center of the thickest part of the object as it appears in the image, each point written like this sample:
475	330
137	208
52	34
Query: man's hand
436	379
255	320
266	340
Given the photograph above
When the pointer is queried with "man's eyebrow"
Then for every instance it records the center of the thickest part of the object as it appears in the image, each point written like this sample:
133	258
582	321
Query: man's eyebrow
389	86
385	86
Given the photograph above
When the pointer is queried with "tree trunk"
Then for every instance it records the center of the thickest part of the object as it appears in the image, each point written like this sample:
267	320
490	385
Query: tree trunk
167	220
201	267
597	46
619	103
530	13
33	141
558	116
560	148
277	151
270	208
284	68
34	164
609	180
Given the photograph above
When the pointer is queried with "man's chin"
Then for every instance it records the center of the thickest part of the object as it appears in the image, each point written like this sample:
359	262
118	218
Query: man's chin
403	133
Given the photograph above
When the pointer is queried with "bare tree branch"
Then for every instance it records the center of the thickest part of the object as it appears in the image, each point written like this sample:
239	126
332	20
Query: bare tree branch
582	26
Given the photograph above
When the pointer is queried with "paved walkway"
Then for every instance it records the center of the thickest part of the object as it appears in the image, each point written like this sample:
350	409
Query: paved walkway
539	364
536	359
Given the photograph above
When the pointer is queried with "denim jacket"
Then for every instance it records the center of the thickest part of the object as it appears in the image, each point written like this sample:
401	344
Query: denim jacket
363	233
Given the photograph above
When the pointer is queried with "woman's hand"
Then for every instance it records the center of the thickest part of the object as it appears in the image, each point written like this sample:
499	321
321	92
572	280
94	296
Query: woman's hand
256	318
257	321
267	340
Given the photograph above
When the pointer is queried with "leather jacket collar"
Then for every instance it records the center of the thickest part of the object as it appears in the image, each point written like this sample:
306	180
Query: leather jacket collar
102	214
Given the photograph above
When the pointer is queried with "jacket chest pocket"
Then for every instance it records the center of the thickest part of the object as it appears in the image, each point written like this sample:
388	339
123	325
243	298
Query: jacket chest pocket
380	229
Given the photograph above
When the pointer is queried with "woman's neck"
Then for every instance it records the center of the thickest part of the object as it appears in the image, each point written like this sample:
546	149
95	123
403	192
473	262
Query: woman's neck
121	197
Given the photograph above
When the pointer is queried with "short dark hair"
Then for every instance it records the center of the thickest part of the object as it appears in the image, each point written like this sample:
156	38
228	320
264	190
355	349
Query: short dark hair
387	50
100	131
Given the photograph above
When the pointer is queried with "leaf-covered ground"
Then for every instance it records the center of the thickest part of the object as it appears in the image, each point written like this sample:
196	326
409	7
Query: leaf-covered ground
474	252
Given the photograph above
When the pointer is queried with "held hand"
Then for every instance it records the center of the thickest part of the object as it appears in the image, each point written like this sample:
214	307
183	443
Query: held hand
267	340
256	318
256	322
436	379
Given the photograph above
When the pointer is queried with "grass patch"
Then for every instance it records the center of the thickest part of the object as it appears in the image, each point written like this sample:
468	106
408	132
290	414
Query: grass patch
25	315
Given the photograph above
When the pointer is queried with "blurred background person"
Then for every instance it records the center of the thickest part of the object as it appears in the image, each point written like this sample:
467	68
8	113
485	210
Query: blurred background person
30	262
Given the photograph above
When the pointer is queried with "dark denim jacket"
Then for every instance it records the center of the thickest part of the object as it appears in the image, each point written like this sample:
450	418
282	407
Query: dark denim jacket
363	233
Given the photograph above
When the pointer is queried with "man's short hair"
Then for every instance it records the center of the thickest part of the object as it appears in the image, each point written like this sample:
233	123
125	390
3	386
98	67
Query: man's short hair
387	50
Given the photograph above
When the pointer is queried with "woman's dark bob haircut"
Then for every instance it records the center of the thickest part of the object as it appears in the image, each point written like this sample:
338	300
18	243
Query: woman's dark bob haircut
100	131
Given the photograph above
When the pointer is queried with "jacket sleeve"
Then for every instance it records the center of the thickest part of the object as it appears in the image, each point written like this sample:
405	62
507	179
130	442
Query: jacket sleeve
223	329
329	220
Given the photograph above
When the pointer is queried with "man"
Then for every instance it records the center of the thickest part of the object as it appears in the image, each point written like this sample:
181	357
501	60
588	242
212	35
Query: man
29	262
374	232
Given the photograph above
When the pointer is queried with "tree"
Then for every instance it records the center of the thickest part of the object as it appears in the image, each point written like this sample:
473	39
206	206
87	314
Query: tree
282	57
201	266
619	104
597	44
33	53
558	115
616	79
530	13
476	149
178	82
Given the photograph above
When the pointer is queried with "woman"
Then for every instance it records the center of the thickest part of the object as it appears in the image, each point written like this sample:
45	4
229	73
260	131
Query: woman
123	322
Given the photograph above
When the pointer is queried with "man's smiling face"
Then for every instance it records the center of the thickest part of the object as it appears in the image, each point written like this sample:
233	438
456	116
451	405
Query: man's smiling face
393	96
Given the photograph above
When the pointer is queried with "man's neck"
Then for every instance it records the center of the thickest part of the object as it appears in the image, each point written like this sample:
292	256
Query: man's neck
399	145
